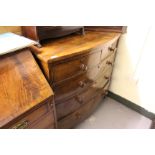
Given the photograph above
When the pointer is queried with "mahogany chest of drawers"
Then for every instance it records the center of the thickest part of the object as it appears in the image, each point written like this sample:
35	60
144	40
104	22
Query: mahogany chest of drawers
79	70
26	99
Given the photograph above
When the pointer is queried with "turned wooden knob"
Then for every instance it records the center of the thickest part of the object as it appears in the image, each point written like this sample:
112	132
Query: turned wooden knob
109	63
81	84
79	99
105	92
99	66
111	49
106	77
78	115
83	67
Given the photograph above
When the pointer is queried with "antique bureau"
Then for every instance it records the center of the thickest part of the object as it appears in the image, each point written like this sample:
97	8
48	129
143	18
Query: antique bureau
26	99
79	70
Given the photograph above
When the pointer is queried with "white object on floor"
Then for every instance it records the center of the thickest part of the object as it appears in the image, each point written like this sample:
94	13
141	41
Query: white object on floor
111	114
10	42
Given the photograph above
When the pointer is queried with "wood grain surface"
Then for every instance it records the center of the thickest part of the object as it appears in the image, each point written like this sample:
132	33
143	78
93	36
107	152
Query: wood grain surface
78	69
22	85
72	45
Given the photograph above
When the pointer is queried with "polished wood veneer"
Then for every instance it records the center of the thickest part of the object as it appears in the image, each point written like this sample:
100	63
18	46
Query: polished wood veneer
76	65
26	99
79	70
74	45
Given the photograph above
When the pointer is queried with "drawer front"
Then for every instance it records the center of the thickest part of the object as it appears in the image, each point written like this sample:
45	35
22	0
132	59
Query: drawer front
106	68
109	67
70	105
104	79
67	107
75	84
47	122
82	113
108	61
69	68
108	49
38	116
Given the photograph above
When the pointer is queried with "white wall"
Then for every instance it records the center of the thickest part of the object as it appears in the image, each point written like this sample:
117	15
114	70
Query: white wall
133	72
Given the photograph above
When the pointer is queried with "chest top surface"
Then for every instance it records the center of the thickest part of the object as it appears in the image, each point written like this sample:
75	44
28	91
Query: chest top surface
22	85
72	45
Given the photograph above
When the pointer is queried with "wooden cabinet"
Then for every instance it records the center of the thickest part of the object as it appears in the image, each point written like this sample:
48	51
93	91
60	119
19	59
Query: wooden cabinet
79	70
26	99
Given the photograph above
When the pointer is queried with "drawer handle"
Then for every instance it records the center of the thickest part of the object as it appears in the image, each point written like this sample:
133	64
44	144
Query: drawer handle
105	92
111	49
79	99
109	63
83	67
78	115
106	77
81	84
21	125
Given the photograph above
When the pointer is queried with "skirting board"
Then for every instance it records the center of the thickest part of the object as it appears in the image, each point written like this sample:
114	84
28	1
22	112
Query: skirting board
132	105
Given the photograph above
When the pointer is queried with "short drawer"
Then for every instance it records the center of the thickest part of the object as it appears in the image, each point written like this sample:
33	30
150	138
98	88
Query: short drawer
108	61
108	49
105	71
82	113
76	65
104	79
37	117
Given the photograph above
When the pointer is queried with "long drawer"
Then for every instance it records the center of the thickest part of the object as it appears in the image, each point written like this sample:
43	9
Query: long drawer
71	67
82	113
42	118
70	105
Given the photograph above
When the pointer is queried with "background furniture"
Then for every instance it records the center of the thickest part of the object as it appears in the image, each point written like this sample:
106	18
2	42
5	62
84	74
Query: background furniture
40	33
26	99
